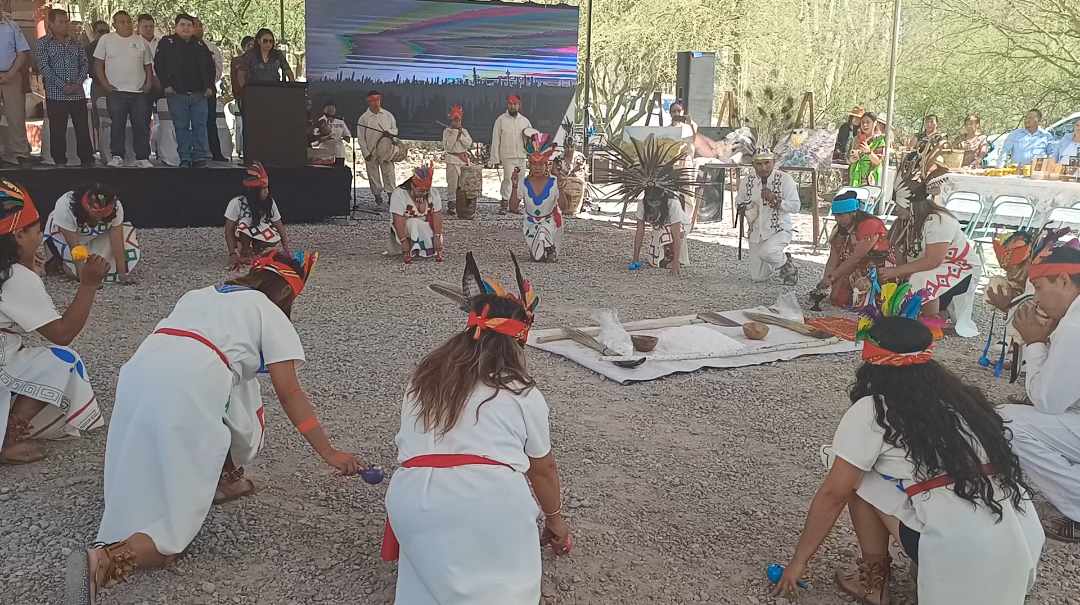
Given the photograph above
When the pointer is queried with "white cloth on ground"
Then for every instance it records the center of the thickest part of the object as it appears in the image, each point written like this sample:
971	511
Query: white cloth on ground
52	374
468	534
177	407
660	236
239	211
543	221
417	227
96	238
965	554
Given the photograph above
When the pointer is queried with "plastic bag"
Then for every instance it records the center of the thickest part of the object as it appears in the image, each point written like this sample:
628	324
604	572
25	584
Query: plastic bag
787	306
612	334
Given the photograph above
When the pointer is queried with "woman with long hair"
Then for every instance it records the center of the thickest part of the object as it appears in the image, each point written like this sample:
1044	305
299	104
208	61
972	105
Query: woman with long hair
474	436
973	141
417	214
865	156
538	191
265	62
935	256
859	241
188	416
923	458
91	215
45	391
253	223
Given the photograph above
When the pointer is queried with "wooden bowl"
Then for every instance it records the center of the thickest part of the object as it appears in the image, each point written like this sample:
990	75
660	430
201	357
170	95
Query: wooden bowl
644	344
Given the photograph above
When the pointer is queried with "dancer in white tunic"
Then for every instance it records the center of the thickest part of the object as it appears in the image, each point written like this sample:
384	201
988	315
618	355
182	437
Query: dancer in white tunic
456	142
924	458
769	197
538	192
416	208
184	421
376	131
508	147
92	216
1046	434
940	259
45	391
474	436
253	223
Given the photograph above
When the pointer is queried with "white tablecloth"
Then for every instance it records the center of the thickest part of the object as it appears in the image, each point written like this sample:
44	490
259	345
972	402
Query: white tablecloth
1045	195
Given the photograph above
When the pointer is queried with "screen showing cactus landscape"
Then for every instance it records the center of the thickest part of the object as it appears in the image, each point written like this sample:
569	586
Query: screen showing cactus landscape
426	55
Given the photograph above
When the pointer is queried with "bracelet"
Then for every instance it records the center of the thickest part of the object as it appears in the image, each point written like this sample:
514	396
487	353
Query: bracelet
554	514
308	425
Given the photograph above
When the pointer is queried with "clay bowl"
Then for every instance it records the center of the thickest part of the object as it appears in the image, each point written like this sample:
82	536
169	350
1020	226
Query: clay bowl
644	344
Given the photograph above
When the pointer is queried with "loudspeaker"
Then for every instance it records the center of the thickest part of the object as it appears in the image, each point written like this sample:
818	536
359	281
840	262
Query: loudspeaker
695	74
275	123
711	192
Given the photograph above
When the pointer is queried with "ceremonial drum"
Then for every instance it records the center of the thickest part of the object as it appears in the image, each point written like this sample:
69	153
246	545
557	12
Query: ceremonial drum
472	180
572	189
401	151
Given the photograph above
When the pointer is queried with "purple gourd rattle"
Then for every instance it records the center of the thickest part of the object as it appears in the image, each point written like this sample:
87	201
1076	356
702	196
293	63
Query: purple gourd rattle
776	571
372	475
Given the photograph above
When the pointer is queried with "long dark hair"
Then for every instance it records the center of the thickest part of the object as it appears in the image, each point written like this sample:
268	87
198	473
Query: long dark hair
273	285
446	378
656	206
937	418
260	208
81	217
9	256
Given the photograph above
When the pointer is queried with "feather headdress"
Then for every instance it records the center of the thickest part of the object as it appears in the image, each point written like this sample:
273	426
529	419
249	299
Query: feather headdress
474	285
539	147
456	112
423	176
650	164
889	300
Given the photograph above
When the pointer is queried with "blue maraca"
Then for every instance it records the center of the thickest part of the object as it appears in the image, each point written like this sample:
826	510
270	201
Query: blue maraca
372	475
776	571
634	266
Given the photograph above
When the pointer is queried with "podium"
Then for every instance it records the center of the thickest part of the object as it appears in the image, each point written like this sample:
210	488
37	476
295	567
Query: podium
275	123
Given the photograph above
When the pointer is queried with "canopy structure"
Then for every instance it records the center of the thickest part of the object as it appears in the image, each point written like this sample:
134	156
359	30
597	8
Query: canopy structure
892	97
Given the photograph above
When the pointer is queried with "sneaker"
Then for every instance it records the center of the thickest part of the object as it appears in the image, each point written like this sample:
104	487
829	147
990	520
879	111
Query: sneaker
116	162
143	164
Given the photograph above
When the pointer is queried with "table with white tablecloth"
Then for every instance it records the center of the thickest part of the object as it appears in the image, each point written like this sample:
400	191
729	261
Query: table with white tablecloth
1044	195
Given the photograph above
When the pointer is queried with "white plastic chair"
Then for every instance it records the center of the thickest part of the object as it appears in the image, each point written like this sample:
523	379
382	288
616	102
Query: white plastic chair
1009	212
968	209
1066	217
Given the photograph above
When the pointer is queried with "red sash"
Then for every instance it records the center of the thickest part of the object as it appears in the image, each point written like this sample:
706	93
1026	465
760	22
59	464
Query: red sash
390	547
941	481
198	337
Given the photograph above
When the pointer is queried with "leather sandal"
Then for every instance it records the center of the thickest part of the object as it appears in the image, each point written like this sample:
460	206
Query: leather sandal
16	449
101	566
232	479
868	580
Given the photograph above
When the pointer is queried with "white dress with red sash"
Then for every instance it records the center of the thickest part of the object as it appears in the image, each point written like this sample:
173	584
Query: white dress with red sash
187	398
468	534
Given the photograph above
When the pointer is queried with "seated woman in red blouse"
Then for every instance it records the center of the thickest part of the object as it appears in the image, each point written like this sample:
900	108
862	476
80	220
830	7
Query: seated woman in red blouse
859	241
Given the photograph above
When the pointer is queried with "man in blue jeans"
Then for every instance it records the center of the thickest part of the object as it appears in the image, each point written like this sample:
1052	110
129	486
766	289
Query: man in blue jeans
122	63
185	68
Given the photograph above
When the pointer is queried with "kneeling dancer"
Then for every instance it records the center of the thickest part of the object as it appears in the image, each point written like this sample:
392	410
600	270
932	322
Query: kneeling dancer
769	198
188	416
45	392
91	216
924	458
417	209
859	241
474	426
253	223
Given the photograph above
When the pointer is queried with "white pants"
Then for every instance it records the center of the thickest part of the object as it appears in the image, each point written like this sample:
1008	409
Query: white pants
453	173
508	167
380	177
1049	449
767	256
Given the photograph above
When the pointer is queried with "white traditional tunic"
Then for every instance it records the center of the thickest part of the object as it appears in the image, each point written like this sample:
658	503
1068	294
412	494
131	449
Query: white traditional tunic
380	148
1046	435
961	261
239	210
508	148
418	226
456	141
180	409
543	222
95	238
468	534
660	236
51	374
339	131
770	229
965	554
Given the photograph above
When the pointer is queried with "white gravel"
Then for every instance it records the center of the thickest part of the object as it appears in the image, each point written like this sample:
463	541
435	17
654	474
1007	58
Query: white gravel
679	490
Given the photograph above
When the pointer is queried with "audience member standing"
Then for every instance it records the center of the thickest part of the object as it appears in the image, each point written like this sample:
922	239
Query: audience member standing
97	30
14	55
375	131
148	30
212	139
238	67
122	62
265	62
186	71
64	68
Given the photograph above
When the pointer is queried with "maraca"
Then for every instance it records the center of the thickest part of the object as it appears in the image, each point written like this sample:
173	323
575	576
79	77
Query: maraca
372	475
80	253
776	571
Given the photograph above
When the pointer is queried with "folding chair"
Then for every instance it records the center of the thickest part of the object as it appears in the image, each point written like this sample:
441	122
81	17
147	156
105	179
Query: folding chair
968	208
1066	217
1076	205
1008	211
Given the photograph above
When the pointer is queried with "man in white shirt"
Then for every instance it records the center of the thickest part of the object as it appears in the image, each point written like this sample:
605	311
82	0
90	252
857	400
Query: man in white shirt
1068	147
508	147
376	131
456	142
769	197
212	138
123	65
1046	434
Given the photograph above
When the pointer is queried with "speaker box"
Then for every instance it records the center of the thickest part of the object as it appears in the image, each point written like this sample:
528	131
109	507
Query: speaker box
275	124
695	75
711	192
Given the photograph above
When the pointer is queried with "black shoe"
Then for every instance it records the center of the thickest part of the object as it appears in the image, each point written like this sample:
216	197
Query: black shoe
25	162
199	164
185	164
90	164
219	158
6	165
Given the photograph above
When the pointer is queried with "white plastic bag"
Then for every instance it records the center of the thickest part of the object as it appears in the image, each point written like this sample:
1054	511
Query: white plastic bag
612	334
787	306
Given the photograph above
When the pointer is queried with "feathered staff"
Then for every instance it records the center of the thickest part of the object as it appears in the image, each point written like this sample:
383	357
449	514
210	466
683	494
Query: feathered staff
889	300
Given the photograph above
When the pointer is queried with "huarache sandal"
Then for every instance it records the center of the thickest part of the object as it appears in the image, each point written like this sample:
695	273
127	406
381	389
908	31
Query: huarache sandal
101	566
1061	528
868	580
16	449
233	486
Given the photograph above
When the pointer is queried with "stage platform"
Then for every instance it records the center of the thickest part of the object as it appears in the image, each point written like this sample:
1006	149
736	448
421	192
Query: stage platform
193	197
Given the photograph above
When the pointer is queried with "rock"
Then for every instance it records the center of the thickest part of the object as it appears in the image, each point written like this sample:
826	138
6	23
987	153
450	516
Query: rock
208	587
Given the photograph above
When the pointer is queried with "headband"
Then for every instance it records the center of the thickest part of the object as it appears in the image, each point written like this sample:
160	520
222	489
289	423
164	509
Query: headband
845	203
98	205
456	112
518	330
285	271
876	355
513	99
256	177
16	207
374	95
423	176
474	285
1038	269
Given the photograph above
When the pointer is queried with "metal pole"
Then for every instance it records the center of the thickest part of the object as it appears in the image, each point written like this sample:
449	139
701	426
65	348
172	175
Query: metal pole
281	14
588	72
892	94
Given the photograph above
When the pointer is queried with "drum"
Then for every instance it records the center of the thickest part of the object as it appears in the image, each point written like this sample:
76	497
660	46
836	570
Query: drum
466	204
472	181
572	190
401	151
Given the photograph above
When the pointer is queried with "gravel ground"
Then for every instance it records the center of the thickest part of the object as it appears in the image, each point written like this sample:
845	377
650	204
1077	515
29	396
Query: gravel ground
679	490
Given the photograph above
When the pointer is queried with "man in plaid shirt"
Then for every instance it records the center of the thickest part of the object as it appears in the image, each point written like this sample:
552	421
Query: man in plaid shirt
64	67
